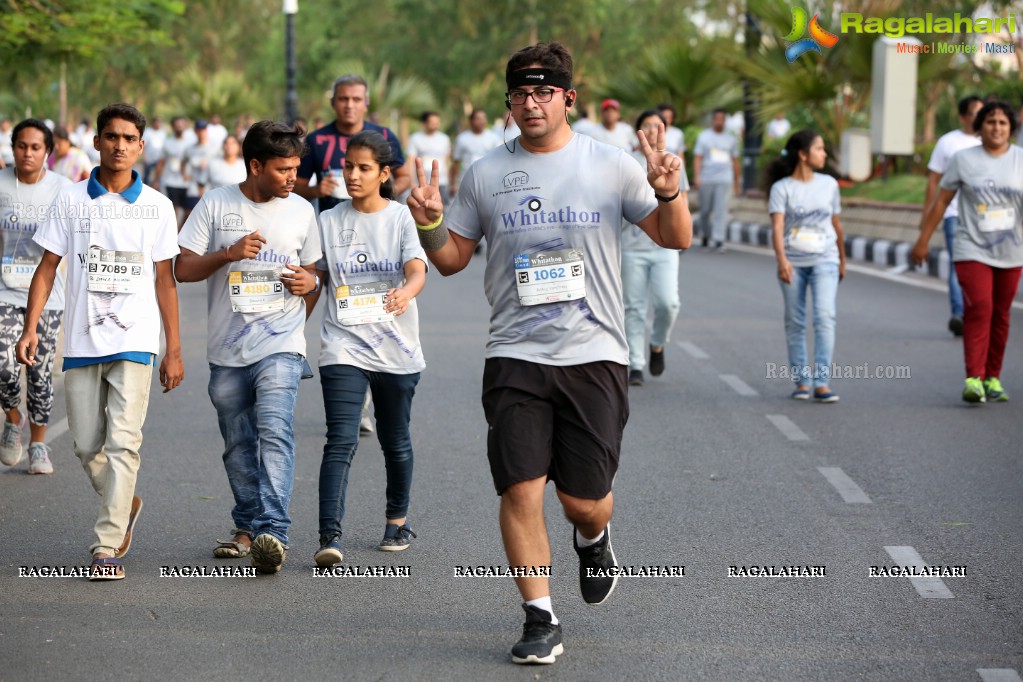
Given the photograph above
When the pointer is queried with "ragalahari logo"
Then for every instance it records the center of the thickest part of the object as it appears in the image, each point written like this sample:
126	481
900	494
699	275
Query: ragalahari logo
818	36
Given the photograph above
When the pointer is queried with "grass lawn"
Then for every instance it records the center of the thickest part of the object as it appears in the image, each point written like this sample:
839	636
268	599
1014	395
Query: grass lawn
902	189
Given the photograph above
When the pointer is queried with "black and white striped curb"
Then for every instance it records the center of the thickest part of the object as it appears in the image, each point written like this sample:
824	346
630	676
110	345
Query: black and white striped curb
868	249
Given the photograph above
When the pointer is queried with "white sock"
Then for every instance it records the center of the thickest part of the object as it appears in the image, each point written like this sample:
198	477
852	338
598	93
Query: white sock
544	603
586	542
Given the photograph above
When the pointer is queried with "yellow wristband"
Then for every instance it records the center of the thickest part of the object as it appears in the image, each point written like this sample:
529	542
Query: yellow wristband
431	226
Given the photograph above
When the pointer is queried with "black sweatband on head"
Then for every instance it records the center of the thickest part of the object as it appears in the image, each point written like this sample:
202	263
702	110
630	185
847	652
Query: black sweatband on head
538	77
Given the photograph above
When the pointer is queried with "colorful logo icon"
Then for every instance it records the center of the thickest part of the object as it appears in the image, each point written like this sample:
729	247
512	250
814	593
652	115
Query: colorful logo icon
818	36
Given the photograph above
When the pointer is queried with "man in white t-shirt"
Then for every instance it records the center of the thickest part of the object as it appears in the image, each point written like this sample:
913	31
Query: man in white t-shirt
612	130
674	138
154	138
119	237
216	133
6	144
169	176
197	161
256	245
778	128
430	145
555	385
946	147
715	172
470	146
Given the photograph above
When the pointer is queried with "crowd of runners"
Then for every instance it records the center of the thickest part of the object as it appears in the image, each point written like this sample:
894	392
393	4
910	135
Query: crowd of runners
584	225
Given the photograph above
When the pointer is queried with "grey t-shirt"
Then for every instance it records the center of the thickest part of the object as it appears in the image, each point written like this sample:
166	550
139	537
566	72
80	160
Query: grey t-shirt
553	224
365	255
633	236
808	207
251	315
23	209
717	150
990	230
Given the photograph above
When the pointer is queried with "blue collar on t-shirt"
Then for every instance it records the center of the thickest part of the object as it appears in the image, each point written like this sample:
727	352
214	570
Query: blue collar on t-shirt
130	194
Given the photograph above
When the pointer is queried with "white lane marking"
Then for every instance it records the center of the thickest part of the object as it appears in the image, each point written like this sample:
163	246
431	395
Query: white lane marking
740	386
998	675
928	587
787	427
55	431
864	270
846	487
693	350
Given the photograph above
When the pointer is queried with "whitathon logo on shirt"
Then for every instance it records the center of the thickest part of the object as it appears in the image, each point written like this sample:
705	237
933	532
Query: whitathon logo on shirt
361	261
268	255
532	214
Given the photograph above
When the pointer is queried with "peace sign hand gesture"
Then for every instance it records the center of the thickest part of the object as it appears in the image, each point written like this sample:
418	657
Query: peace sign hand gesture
663	169
425	202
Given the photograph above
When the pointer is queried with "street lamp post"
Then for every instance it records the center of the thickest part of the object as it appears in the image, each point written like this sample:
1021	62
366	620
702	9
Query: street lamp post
290	94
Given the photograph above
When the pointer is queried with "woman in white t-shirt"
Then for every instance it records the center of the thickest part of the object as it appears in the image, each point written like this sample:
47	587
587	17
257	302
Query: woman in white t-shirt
808	243
229	170
370	337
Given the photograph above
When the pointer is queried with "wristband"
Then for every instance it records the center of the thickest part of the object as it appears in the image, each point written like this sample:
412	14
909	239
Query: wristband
433	238
668	199
431	226
227	255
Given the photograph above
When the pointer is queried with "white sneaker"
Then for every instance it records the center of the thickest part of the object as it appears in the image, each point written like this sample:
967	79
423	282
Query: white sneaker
10	442
365	425
39	459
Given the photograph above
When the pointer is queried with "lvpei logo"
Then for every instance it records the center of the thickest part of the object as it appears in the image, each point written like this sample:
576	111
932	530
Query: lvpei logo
818	36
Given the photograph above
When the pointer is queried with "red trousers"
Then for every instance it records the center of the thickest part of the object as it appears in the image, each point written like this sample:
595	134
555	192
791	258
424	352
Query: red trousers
987	301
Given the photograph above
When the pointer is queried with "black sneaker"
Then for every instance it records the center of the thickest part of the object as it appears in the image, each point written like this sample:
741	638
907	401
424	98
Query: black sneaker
704	242
656	361
396	538
330	551
595	563
635	377
541	640
955	325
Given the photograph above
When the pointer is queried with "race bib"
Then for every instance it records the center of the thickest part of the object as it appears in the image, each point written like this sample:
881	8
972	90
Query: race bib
719	155
361	303
550	276
174	165
255	291
118	272
17	271
996	218
808	240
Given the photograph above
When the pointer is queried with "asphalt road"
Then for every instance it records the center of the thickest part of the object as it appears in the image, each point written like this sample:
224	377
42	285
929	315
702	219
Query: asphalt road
719	469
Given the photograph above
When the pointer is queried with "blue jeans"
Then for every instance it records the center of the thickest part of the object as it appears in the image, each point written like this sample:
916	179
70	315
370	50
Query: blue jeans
823	280
955	292
255	408
344	390
649	276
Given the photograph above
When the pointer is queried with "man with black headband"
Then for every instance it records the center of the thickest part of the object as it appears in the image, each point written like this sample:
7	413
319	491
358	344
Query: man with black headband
551	205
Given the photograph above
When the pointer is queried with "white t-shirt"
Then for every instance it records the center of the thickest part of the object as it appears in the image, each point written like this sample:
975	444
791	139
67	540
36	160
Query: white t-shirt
778	127
435	146
554	220
216	134
810	237
175	152
141	232
222	217
717	151
585	126
623	136
990	188
220	173
368	250
198	159
675	140
23	210
154	144
945	148
470	148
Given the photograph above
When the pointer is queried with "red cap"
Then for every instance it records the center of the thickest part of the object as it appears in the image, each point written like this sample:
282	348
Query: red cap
610	103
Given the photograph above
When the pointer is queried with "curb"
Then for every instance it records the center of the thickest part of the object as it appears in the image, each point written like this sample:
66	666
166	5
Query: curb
867	249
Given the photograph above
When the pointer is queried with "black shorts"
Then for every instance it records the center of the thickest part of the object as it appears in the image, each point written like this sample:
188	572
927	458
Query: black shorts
177	195
190	203
565	423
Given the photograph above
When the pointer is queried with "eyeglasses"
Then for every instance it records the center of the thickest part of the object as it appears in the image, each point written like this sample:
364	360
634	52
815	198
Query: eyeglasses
540	95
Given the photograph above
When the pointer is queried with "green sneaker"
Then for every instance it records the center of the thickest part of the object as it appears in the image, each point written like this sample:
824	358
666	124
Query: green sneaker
994	391
974	390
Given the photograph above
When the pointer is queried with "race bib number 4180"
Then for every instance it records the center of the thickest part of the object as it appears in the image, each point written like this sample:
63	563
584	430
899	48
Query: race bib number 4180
255	291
